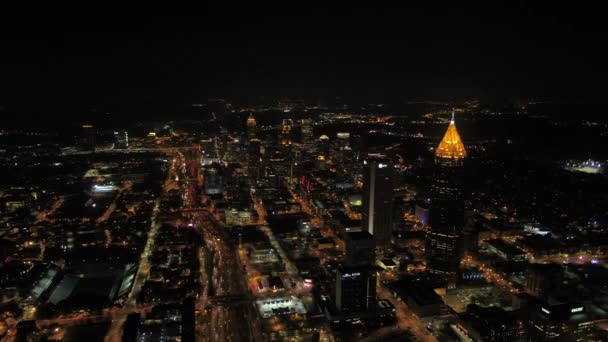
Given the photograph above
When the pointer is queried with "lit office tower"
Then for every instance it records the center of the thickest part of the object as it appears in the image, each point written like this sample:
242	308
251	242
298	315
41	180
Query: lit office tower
446	213
307	132
233	152
378	174
324	147
251	127
121	139
213	182
285	136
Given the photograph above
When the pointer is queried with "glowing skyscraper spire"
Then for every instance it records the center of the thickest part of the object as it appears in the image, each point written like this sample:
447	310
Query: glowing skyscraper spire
451	145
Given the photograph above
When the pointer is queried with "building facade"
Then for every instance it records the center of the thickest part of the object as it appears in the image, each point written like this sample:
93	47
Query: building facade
360	249
378	175
355	290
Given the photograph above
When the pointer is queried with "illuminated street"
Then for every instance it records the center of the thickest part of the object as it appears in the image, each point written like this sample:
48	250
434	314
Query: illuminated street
407	320
490	275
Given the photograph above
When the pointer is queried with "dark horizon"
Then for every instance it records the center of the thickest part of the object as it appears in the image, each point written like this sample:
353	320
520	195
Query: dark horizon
70	60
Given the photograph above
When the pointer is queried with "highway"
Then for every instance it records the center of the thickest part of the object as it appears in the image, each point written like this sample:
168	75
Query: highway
223	301
224	304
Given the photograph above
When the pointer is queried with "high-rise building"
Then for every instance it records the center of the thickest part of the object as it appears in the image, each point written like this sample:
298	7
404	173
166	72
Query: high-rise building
378	174
254	160
446	214
543	279
360	249
355	287
285	136
495	324
233	151
307	132
324	146
213	181
561	322
355	290
251	127
121	139
88	137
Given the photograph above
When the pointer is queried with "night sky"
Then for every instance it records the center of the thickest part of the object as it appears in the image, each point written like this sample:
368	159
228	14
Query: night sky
120	57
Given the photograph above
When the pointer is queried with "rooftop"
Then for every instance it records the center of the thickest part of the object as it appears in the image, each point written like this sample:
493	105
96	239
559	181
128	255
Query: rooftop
504	247
360	236
451	145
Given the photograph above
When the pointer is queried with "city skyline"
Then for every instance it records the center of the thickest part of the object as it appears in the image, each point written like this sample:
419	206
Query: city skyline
294	221
75	60
316	172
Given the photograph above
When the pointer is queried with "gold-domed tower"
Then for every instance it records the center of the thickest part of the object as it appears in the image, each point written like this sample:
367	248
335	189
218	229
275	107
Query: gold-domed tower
451	146
446	216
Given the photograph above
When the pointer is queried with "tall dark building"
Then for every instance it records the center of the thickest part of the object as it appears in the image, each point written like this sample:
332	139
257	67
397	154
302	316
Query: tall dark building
360	249
446	213
495	324
355	287
88	137
378	192
355	290
254	159
543	279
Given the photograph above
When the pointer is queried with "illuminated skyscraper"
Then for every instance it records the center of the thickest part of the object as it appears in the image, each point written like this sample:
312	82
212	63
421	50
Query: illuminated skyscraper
323	146
251	127
121	139
446	215
307	132
213	182
285	136
378	192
